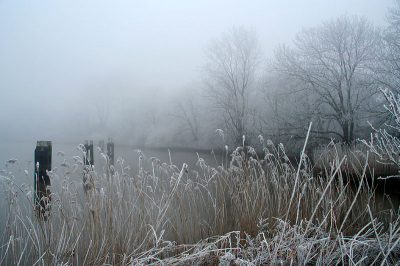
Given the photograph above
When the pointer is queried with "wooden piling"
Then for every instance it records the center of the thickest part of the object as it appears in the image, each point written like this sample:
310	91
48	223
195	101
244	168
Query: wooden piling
43	157
110	150
89	160
101	145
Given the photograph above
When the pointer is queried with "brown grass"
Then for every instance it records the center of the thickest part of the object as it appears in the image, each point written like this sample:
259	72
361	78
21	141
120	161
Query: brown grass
259	210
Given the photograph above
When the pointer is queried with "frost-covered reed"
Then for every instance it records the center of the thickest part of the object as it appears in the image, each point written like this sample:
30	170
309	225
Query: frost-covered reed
258	209
378	166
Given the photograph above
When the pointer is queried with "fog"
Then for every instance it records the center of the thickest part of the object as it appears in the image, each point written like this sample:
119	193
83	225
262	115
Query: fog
62	63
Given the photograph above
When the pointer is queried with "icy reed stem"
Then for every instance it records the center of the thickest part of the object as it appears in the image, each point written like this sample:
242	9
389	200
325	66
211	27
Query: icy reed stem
297	174
358	192
323	194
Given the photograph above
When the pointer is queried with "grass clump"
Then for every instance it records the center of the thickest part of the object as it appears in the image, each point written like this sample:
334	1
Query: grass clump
378	165
258	209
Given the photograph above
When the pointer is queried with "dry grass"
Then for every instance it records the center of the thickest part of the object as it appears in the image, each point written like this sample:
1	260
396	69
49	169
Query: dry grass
378	166
259	210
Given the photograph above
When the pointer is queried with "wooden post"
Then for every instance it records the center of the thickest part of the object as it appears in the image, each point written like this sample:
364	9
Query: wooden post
43	155
110	150
89	160
101	145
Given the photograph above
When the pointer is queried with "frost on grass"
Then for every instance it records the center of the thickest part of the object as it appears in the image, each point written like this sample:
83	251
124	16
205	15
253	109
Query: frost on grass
251	212
385	143
11	161
61	153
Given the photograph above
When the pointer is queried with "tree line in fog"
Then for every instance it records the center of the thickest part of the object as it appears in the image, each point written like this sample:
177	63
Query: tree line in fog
331	74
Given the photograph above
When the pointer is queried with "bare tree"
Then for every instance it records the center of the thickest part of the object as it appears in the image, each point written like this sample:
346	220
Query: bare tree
97	105
187	114
332	67
283	108
388	69
230	73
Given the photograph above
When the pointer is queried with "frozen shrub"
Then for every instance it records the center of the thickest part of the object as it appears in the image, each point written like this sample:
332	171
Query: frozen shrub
385	142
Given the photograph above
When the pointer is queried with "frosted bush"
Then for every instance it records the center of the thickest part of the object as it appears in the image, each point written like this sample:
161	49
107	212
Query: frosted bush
384	144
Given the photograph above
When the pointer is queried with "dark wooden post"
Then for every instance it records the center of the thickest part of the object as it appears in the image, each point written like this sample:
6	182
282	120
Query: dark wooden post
43	155
110	150
101	145
89	160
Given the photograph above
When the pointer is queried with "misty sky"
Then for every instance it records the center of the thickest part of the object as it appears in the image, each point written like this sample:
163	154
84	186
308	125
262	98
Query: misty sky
53	51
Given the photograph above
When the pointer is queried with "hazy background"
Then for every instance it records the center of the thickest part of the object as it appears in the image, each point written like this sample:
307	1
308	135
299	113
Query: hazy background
60	60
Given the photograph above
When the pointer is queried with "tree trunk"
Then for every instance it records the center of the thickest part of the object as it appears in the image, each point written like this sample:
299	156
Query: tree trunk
345	128
348	132
351	131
